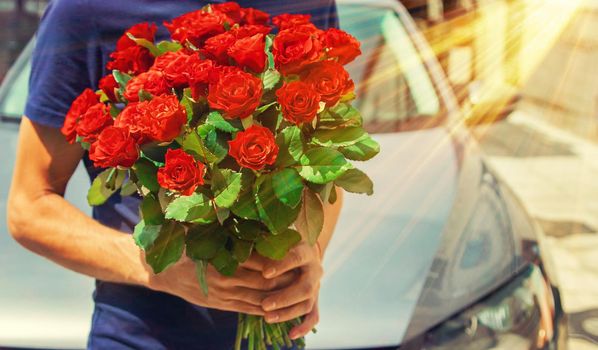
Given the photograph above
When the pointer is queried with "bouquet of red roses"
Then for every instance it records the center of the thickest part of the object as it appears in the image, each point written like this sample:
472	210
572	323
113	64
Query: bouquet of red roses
227	133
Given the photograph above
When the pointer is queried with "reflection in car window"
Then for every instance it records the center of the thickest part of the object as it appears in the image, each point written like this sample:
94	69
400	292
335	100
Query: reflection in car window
13	103
394	89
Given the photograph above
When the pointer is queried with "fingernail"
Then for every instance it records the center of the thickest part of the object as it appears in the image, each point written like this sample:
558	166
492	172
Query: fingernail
270	272
270	306
293	335
271	318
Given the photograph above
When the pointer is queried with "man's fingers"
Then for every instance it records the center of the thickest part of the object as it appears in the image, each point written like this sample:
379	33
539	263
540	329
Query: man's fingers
254	280
239	306
309	322
289	313
295	258
246	295
296	293
255	262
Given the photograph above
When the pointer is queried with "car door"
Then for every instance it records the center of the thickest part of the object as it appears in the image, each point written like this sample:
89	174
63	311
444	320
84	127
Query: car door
42	304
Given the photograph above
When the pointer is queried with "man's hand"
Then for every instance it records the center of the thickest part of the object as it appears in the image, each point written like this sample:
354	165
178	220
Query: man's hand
299	298
242	292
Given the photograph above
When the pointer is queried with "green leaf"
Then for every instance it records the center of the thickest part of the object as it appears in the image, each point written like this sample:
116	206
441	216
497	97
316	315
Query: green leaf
114	111
249	230
247	122
192	143
341	115
241	249
288	186
355	181
222	214
270	78
168	46
339	137
121	78
214	141
151	212
216	119
167	247
204	241
201	269
145	43
245	206
267	48
128	188
196	208
187	102
146	171
104	186
145	235
311	217
276	215
225	263
290	144
276	246
333	196
144	95
321	165
363	150
271	118
226	186
325	192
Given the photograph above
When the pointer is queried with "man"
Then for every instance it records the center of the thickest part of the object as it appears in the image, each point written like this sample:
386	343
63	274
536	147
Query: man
135	309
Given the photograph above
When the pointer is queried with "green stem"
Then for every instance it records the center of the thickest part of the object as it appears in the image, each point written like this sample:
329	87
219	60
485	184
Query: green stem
240	325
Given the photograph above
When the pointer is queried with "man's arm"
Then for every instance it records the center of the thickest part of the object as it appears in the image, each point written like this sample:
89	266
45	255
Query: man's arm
43	221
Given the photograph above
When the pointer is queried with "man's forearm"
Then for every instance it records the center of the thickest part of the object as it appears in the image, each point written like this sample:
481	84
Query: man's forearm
55	229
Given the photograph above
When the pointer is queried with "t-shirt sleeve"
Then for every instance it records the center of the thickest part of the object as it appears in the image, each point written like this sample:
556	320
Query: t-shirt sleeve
60	64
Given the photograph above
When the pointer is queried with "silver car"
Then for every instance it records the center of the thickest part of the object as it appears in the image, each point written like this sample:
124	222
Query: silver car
442	256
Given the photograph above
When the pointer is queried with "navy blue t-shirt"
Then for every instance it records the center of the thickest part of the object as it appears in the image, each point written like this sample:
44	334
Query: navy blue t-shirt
73	44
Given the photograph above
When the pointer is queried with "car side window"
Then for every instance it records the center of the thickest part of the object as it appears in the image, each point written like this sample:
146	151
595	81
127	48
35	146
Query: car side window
395	91
13	91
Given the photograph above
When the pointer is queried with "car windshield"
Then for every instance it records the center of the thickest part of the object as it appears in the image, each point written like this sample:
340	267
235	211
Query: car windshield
395	91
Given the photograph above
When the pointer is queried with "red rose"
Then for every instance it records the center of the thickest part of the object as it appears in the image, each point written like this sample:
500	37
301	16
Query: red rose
108	84
132	60
330	80
254	148
236	93
286	20
114	147
176	67
133	118
79	106
199	77
139	31
340	44
93	121
254	16
294	49
196	26
151	81
215	47
166	117
249	52
181	172
299	102
231	9
249	30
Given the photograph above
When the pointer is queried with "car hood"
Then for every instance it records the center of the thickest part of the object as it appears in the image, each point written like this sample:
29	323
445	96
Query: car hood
384	245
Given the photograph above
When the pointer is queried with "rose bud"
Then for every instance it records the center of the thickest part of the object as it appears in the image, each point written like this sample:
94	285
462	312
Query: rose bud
93	122
341	45
109	86
133	60
330	80
254	16
236	93
79	106
114	147
165	116
195	27
288	21
294	49
216	47
139	31
181	172
249	52
299	102
151	81
254	148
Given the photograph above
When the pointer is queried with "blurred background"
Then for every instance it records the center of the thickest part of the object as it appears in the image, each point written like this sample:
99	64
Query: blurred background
527	73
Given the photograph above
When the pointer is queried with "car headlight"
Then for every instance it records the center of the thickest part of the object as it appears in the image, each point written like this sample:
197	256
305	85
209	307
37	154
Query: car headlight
517	316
